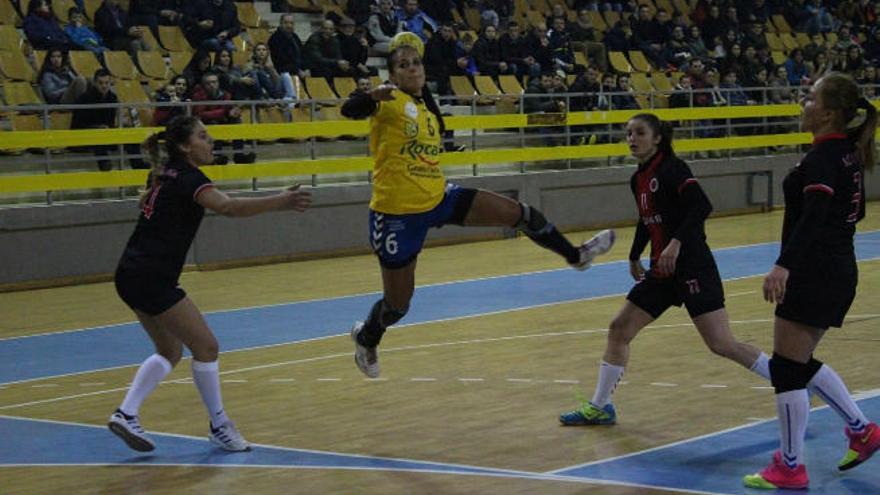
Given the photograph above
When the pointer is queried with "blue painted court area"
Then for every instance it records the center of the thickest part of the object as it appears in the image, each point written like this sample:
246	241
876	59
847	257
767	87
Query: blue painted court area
50	443
716	463
713	463
42	356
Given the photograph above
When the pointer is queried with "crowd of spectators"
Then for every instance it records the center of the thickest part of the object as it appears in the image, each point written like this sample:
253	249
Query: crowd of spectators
717	54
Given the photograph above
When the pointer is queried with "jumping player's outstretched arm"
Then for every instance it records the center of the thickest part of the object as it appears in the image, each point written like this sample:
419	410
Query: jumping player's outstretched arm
291	198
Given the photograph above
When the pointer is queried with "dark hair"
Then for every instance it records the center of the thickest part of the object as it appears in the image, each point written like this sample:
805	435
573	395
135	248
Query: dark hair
840	93
102	72
73	10
176	133
660	128
35	4
47	64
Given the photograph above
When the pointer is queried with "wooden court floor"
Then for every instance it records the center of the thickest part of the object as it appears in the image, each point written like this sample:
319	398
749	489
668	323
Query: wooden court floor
482	390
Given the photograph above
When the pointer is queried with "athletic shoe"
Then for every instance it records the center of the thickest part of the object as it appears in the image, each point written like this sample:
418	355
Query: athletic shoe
588	414
366	358
129	429
227	437
598	245
778	475
861	446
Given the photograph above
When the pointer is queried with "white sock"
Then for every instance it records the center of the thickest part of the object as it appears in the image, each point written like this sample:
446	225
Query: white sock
761	366
609	377
828	385
207	379
793	408
150	374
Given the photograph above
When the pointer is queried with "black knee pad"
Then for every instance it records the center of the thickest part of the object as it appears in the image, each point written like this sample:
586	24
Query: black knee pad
787	375
813	366
532	222
385	315
390	315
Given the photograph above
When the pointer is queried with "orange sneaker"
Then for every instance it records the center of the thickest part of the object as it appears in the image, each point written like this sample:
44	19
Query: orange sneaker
778	475
861	446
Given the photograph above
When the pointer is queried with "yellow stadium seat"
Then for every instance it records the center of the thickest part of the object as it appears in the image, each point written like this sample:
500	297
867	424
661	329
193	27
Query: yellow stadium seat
240	57
344	86
619	62
60	120
535	18
119	64
802	38
462	87
10	40
510	85
20	93
472	17
831	38
151	40
769	27
173	40
665	5
611	17
639	62
131	92
682	6
778	57
14	66
84	63
661	82
774	42
8	15
319	89
60	8
303	6
26	122
376	80
247	14
179	60
91	7
789	41
640	82
781	24
599	23
257	35
580	58
152	65
486	86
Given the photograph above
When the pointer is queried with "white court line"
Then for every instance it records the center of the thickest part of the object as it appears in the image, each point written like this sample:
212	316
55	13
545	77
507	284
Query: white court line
867	395
737	294
423	379
476	279
498	473
281	380
709	385
328	379
664	384
347	355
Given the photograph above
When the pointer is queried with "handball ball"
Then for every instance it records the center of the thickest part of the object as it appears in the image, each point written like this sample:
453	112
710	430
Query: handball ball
407	39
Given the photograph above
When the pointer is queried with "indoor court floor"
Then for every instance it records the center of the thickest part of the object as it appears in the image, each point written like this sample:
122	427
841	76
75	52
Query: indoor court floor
501	338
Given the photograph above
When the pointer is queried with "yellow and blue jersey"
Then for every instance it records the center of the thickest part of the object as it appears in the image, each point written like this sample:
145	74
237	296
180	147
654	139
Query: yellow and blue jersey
405	144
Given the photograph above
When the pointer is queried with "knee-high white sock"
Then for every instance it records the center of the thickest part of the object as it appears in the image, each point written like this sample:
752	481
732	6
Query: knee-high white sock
207	379
828	385
793	408
151	372
761	366
609	377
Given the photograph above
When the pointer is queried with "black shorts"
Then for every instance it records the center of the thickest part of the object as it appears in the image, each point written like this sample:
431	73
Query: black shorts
146	292
817	301
699	290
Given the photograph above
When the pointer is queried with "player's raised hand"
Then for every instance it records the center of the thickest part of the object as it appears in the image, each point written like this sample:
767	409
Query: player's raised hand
382	92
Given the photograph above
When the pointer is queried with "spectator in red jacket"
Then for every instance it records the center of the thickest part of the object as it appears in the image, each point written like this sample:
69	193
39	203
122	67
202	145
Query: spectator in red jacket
216	113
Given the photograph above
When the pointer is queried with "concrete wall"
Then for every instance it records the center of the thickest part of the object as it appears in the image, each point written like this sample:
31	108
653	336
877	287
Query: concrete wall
45	244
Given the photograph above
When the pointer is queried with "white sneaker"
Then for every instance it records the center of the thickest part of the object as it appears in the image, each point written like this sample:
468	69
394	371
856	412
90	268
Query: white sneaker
366	358
598	245
227	437
129	429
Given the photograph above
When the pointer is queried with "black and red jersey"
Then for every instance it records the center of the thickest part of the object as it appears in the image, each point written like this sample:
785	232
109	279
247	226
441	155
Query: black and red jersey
671	204
824	198
169	220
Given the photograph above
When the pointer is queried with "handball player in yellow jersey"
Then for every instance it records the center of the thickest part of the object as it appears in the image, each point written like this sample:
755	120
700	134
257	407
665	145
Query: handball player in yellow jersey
411	195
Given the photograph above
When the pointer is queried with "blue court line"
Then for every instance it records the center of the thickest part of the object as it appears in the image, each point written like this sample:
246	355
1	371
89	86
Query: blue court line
717	462
48	355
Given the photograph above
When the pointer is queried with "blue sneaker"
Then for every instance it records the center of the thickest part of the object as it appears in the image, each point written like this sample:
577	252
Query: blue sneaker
588	414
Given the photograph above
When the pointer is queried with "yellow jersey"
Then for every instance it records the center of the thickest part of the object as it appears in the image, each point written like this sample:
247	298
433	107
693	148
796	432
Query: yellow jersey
405	144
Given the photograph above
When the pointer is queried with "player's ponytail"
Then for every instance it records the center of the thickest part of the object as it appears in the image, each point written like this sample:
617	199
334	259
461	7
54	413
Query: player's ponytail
840	94
177	133
864	133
